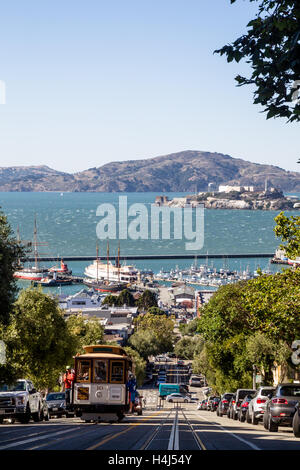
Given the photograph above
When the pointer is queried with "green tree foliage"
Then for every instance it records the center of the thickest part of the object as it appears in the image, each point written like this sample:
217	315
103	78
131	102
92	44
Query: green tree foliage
10	253
156	311
147	300
139	365
38	342
124	298
265	309
86	331
272	47
153	335
288	229
188	346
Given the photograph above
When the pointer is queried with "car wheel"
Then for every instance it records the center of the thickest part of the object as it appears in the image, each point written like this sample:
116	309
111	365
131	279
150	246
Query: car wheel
38	416
248	419
26	417
265	421
254	419
234	415
185	401
170	401
272	427
296	424
47	416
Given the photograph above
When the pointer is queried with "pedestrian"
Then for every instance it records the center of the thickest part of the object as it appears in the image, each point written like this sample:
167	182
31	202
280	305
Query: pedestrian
131	387
68	381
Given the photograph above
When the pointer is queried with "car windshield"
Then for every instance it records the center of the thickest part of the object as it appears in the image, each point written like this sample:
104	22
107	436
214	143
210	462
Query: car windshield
288	391
244	393
16	387
55	396
228	396
266	392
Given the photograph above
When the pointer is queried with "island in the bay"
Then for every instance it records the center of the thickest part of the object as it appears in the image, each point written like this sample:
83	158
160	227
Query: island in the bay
234	197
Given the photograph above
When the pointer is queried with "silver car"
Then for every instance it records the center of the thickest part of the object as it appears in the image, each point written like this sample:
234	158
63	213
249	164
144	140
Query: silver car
257	405
178	398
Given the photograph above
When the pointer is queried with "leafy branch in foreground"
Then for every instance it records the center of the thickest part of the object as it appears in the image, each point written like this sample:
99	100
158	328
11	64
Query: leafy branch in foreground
272	47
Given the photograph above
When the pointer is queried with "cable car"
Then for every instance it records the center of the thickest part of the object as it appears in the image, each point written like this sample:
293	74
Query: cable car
99	388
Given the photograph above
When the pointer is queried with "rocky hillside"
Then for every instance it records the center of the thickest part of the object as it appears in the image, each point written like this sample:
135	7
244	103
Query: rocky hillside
183	171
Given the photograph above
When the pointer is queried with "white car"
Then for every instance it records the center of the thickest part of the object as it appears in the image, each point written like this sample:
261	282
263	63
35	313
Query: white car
178	398
256	407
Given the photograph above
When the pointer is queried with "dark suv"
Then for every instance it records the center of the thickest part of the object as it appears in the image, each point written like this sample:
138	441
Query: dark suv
224	403
281	406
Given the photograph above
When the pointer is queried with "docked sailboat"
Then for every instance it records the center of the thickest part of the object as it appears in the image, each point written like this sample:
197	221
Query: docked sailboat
33	273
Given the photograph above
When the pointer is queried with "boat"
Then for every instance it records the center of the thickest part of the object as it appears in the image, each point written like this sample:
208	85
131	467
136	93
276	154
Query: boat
100	271
103	286
63	269
52	282
33	273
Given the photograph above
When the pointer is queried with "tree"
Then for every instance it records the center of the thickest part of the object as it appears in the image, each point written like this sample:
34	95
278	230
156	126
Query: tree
156	311
86	331
288	229
139	365
145	342
38	342
147	300
188	346
126	298
272	47
10	253
265	309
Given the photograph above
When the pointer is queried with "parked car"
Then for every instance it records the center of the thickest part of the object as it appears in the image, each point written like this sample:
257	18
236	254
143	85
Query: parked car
201	404
230	406
180	363
281	406
239	397
178	398
257	405
244	407
296	421
223	404
214	403
196	381
209	402
56	404
20	401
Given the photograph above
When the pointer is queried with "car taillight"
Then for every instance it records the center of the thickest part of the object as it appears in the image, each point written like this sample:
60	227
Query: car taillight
233	402
260	401
224	401
280	401
245	404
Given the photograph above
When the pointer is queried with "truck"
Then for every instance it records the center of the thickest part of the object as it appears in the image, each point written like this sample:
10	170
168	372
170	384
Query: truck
20	401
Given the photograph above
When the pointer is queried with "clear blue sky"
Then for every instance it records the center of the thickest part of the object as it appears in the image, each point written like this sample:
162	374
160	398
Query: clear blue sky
92	82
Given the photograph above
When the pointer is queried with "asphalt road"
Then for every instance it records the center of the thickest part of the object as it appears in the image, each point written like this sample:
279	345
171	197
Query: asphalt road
163	426
169	428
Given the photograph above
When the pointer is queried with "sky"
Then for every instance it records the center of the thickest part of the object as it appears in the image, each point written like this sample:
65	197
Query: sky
88	83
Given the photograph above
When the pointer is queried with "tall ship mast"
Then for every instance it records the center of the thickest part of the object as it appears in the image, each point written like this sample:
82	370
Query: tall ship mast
109	272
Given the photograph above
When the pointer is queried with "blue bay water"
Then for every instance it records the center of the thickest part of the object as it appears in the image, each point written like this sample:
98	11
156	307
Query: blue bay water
67	225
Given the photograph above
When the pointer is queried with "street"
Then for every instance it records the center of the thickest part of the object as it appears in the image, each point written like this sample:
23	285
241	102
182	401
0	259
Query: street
174	427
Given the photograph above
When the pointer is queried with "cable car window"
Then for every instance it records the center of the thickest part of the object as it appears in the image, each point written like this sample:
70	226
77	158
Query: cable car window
84	371
100	370
117	372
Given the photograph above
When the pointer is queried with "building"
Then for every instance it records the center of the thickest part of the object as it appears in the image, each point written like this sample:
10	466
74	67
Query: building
228	189
202	297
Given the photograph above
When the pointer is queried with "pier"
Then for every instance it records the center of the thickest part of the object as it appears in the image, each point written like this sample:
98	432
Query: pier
154	256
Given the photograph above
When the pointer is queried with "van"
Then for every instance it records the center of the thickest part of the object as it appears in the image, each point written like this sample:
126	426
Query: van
196	381
166	389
